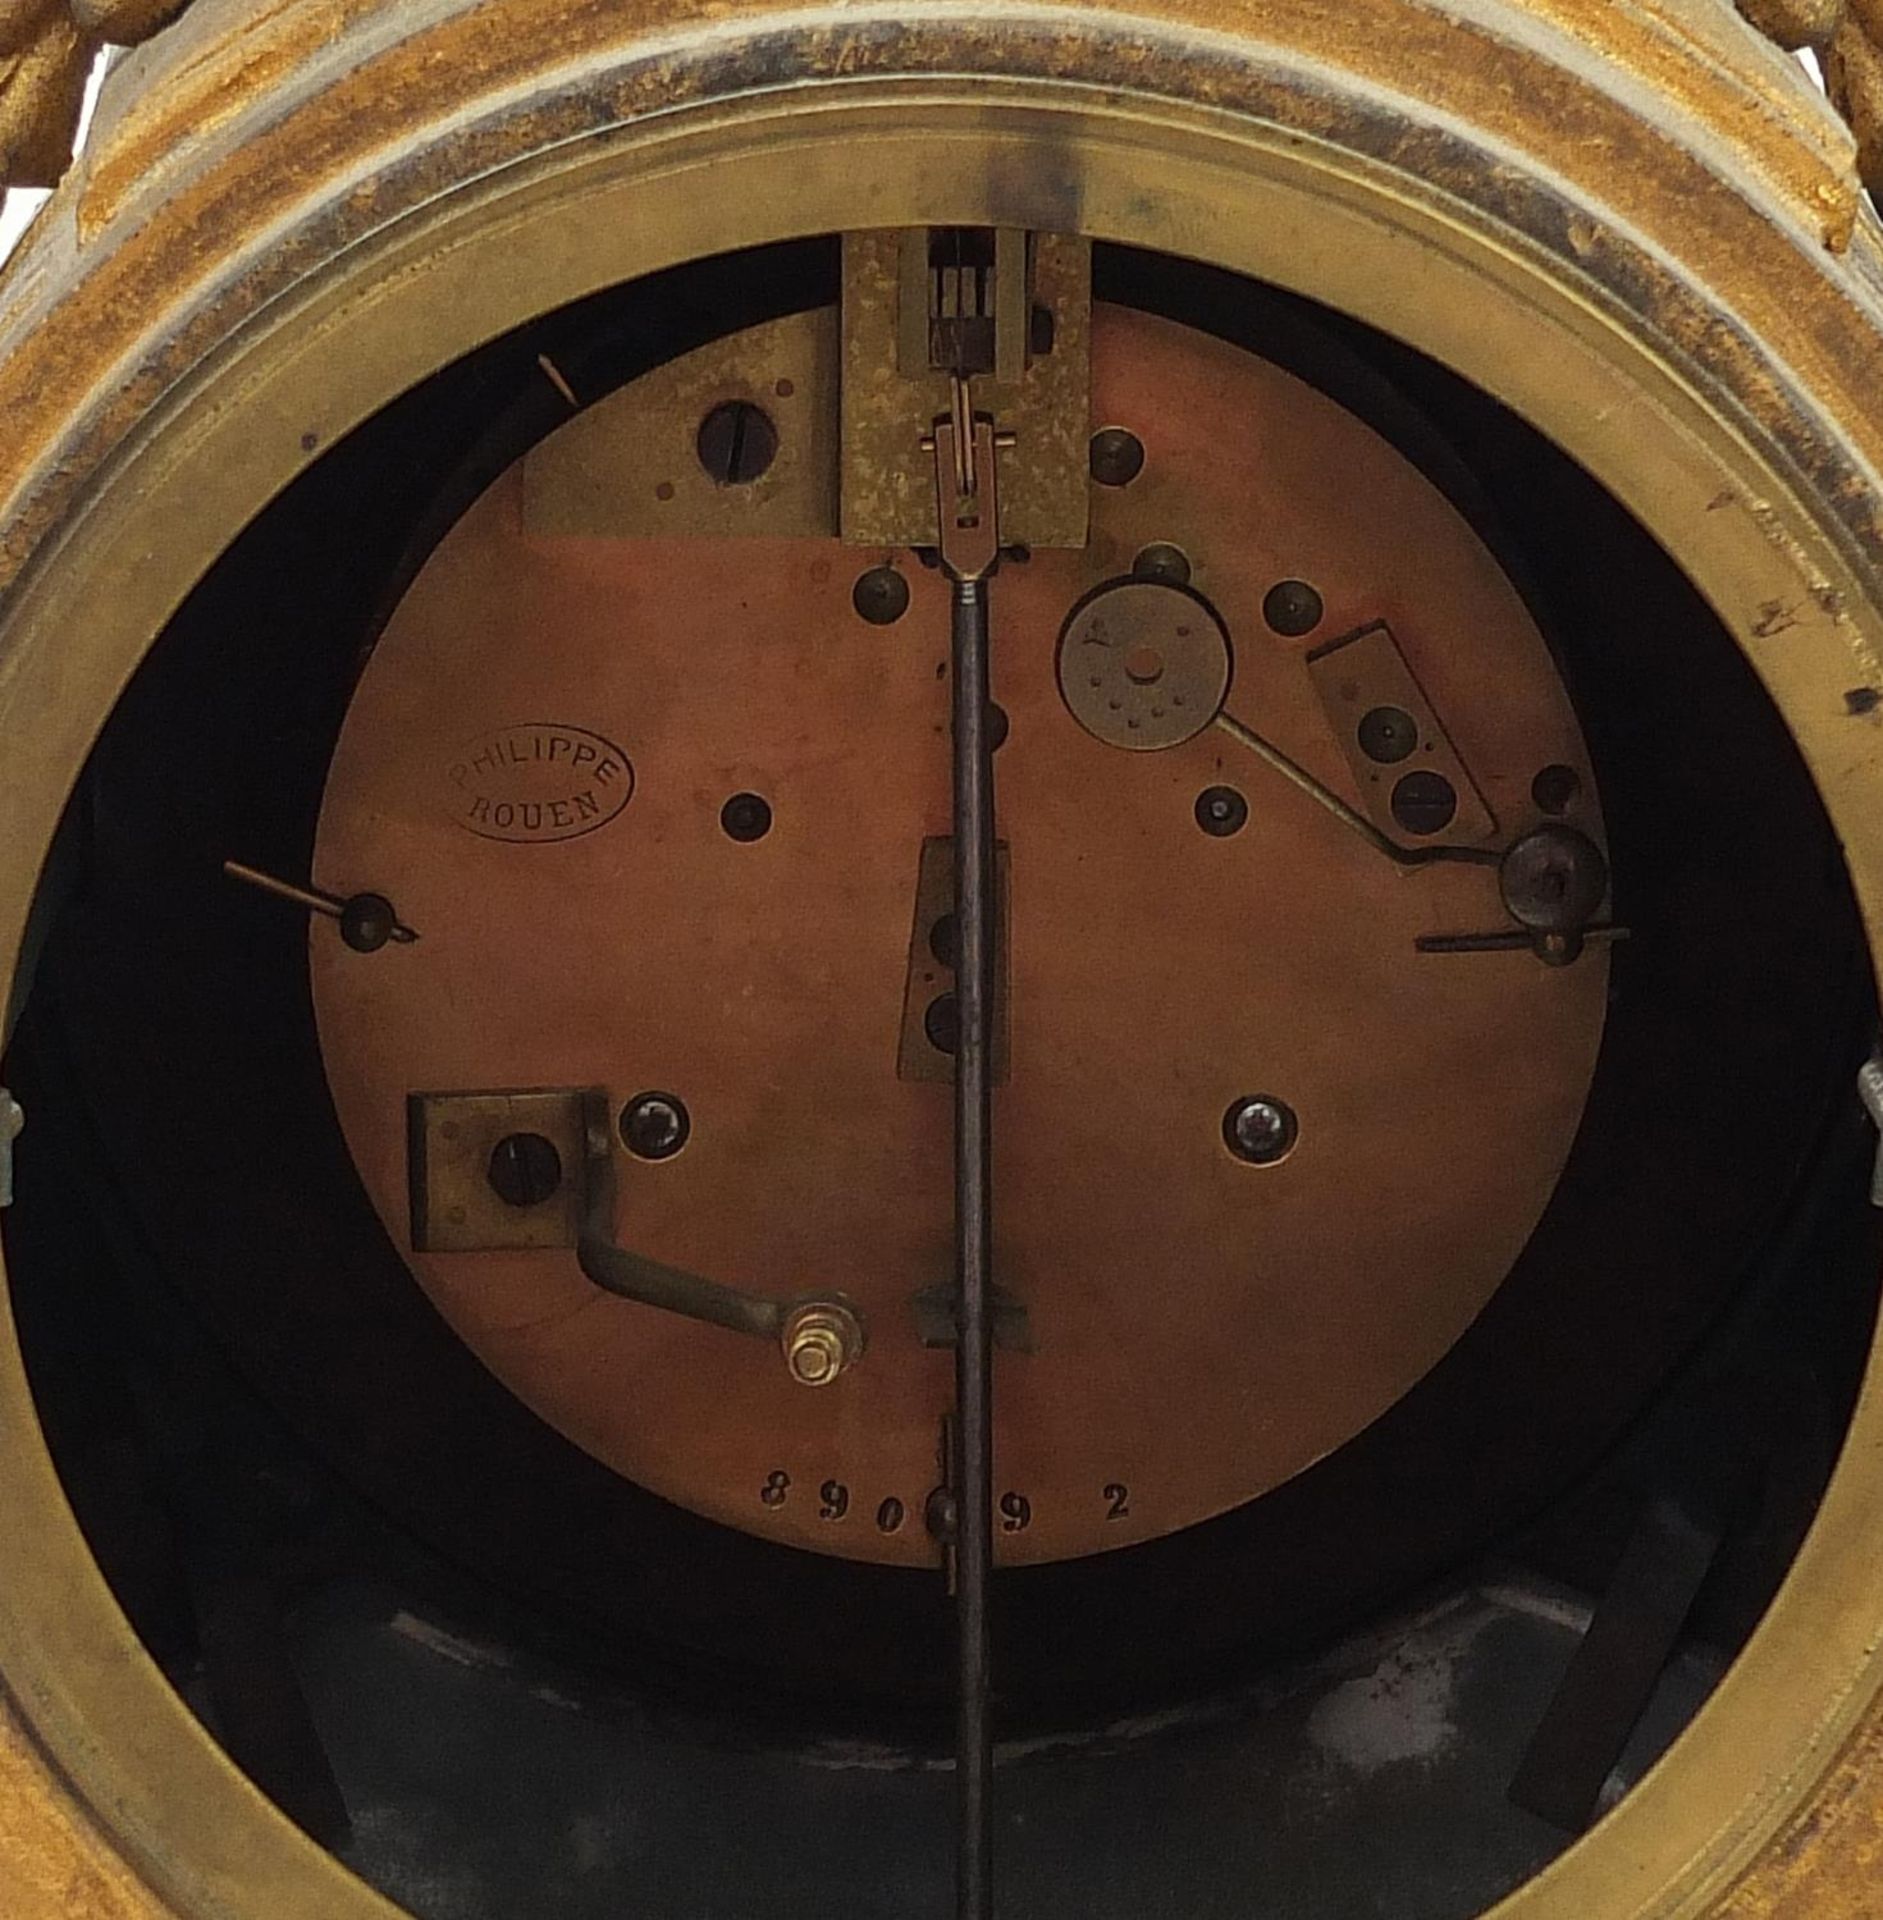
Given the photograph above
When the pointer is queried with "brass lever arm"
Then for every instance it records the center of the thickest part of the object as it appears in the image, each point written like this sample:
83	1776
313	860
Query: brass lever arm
821	1336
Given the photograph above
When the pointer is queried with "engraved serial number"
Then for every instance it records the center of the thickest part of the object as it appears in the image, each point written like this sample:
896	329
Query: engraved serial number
1013	1508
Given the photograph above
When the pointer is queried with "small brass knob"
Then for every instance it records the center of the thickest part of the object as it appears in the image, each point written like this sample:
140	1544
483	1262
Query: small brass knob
821	1339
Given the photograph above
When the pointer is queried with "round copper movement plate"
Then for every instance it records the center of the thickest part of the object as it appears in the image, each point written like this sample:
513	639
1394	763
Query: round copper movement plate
668	812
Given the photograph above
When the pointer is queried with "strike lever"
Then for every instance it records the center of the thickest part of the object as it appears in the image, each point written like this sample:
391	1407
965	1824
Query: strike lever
820	1335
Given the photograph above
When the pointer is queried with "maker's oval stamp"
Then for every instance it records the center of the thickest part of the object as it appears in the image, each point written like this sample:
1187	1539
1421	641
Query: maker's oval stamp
537	782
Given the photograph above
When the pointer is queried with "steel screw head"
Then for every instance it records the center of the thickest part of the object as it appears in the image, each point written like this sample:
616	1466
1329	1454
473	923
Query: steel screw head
1221	811
821	1340
1163	561
1292	607
880	596
944	942
746	817
998	726
1117	456
1424	803
1260	1129
736	444
524	1170
655	1126
941	1020
367	922
1555	788
1387	734
941	1515
1553	880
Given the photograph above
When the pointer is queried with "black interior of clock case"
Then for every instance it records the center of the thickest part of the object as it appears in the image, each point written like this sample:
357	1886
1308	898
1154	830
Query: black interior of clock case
502	1681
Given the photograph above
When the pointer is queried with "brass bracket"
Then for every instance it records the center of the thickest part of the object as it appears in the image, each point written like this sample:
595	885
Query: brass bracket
1363	675
931	965
563	1195
935	1319
1031	368
632	464
451	1139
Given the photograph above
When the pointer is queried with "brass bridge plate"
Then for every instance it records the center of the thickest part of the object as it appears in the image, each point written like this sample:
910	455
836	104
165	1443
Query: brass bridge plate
451	1139
1391	735
932	967
1203	1328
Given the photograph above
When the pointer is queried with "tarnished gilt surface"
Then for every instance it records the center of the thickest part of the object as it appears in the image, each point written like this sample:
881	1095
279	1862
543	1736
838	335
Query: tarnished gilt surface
1848	35
1693	53
1827	1864
47	46
54	1862
46	51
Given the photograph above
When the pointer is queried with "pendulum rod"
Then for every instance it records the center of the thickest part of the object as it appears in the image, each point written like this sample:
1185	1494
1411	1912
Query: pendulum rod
974	1476
964	449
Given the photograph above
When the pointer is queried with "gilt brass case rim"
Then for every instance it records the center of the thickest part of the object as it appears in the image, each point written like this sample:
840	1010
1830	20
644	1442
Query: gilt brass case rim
1254	196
